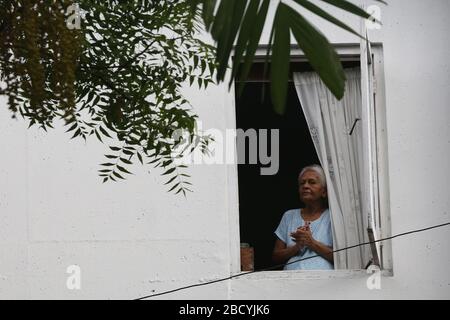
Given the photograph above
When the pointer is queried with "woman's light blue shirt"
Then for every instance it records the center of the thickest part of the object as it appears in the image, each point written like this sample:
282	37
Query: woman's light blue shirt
321	231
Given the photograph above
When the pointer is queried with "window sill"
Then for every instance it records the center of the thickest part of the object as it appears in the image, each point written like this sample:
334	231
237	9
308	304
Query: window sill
311	274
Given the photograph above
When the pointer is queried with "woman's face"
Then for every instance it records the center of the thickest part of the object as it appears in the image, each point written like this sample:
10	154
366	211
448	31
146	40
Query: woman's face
310	188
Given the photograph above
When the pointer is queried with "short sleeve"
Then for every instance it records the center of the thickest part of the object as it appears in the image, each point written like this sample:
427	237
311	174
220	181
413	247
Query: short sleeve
282	230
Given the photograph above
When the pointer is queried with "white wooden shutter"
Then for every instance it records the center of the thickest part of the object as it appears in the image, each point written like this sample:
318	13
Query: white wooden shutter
369	177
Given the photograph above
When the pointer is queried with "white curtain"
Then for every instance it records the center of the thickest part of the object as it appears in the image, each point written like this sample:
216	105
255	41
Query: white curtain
336	133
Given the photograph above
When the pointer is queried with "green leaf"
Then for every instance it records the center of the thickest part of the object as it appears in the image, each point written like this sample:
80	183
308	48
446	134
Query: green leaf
169	171
208	12
319	52
126	161
223	12
254	41
128	152
244	35
96	100
98	136
167	163
195	61
118	175
104	132
140	158
129	148
203	66
72	127
349	7
174	186
226	39
123	169
171	180
90	96
325	15
153	161
107	164
280	58
76	134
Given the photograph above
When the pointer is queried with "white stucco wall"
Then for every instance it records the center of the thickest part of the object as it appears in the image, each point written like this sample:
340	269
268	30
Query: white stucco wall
132	237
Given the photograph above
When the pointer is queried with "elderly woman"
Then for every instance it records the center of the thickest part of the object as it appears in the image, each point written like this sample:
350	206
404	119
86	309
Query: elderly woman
306	232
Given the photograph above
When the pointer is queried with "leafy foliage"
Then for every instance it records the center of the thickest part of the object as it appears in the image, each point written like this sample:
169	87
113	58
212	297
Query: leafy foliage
119	77
242	22
38	60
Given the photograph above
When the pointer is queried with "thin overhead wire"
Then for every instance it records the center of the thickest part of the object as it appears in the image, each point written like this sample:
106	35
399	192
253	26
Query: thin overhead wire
284	264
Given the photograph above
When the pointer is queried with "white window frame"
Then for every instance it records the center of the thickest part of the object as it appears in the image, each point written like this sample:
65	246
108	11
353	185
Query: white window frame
378	161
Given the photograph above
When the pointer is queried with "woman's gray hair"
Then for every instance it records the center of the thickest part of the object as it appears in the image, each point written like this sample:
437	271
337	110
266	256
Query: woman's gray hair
317	169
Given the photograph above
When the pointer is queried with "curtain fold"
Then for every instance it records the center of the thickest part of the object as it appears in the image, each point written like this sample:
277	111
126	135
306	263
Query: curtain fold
335	128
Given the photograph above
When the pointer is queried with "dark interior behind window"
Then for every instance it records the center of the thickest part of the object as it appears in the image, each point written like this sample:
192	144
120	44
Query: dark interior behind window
264	198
